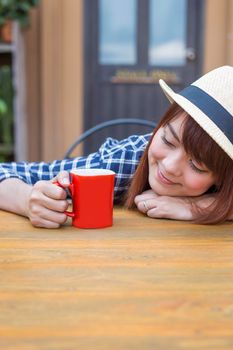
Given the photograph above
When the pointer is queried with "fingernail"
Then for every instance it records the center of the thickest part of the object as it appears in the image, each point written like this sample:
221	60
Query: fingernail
65	181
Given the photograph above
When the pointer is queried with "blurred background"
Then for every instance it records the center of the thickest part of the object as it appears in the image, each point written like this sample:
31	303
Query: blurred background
67	65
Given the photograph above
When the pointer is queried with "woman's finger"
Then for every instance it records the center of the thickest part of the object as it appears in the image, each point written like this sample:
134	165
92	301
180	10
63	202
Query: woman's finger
48	189
44	223
147	195
40	214
63	178
53	204
146	204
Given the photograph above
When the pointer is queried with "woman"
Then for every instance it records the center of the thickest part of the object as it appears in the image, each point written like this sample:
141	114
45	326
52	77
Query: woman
183	162
183	171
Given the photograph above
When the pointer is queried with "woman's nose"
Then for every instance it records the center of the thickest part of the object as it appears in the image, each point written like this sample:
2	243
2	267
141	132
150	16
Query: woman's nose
173	164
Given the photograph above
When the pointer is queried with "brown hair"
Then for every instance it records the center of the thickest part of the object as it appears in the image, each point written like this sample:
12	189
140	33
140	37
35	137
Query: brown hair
206	151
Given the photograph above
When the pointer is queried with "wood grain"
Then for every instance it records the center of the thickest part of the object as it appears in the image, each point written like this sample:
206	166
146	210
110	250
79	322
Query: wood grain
141	284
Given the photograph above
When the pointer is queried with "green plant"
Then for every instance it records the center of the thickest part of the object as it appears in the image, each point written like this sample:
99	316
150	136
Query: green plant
16	10
3	107
6	112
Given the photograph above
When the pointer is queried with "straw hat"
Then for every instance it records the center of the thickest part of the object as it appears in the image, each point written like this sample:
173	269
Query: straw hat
209	101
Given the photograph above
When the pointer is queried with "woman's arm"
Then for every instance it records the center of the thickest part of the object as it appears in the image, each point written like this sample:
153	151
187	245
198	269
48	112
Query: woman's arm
43	203
178	208
14	196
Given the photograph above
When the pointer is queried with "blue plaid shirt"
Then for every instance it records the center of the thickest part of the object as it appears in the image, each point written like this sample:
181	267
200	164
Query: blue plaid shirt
119	156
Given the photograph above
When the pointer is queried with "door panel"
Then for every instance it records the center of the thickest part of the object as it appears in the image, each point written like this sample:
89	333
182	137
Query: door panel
117	32
129	46
167	43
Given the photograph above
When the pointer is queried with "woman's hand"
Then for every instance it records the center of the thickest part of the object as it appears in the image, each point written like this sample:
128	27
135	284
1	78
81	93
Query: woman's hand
47	202
178	208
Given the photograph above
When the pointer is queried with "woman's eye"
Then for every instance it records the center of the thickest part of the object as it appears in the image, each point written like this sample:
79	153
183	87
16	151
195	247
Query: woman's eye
195	168
167	142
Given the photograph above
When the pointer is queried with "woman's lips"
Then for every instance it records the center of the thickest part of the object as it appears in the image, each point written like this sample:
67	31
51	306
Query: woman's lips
163	179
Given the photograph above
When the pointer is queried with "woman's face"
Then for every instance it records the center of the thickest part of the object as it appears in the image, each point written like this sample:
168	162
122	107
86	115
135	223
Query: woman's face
171	170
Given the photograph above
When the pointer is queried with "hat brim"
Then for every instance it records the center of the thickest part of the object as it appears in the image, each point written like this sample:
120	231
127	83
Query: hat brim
200	117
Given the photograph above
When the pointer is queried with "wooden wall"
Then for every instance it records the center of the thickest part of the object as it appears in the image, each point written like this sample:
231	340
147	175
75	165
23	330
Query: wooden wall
230	33
33	90
218	34
62	80
54	70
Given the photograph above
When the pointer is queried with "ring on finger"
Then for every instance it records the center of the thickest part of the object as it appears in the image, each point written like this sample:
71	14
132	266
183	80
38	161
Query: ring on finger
145	206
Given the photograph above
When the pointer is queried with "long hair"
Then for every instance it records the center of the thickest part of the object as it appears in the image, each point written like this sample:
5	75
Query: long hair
205	151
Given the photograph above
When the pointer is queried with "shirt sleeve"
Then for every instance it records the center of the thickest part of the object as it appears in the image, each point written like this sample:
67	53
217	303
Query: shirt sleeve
123	157
120	156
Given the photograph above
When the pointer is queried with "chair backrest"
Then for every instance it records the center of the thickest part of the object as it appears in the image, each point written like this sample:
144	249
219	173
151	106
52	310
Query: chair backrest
104	125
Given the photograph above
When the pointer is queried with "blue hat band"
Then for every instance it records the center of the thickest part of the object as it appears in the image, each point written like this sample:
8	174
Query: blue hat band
211	108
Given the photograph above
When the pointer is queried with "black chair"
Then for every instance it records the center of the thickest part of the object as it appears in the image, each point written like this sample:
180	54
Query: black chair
104	125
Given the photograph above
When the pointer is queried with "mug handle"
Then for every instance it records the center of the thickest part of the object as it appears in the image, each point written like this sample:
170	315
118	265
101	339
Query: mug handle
68	213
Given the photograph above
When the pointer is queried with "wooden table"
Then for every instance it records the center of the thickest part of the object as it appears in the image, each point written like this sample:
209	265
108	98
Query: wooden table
142	284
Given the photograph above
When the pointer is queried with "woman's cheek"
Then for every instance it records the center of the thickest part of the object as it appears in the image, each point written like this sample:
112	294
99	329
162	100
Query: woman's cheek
197	184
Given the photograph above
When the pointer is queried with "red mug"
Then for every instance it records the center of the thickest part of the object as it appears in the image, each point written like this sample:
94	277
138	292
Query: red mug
92	197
